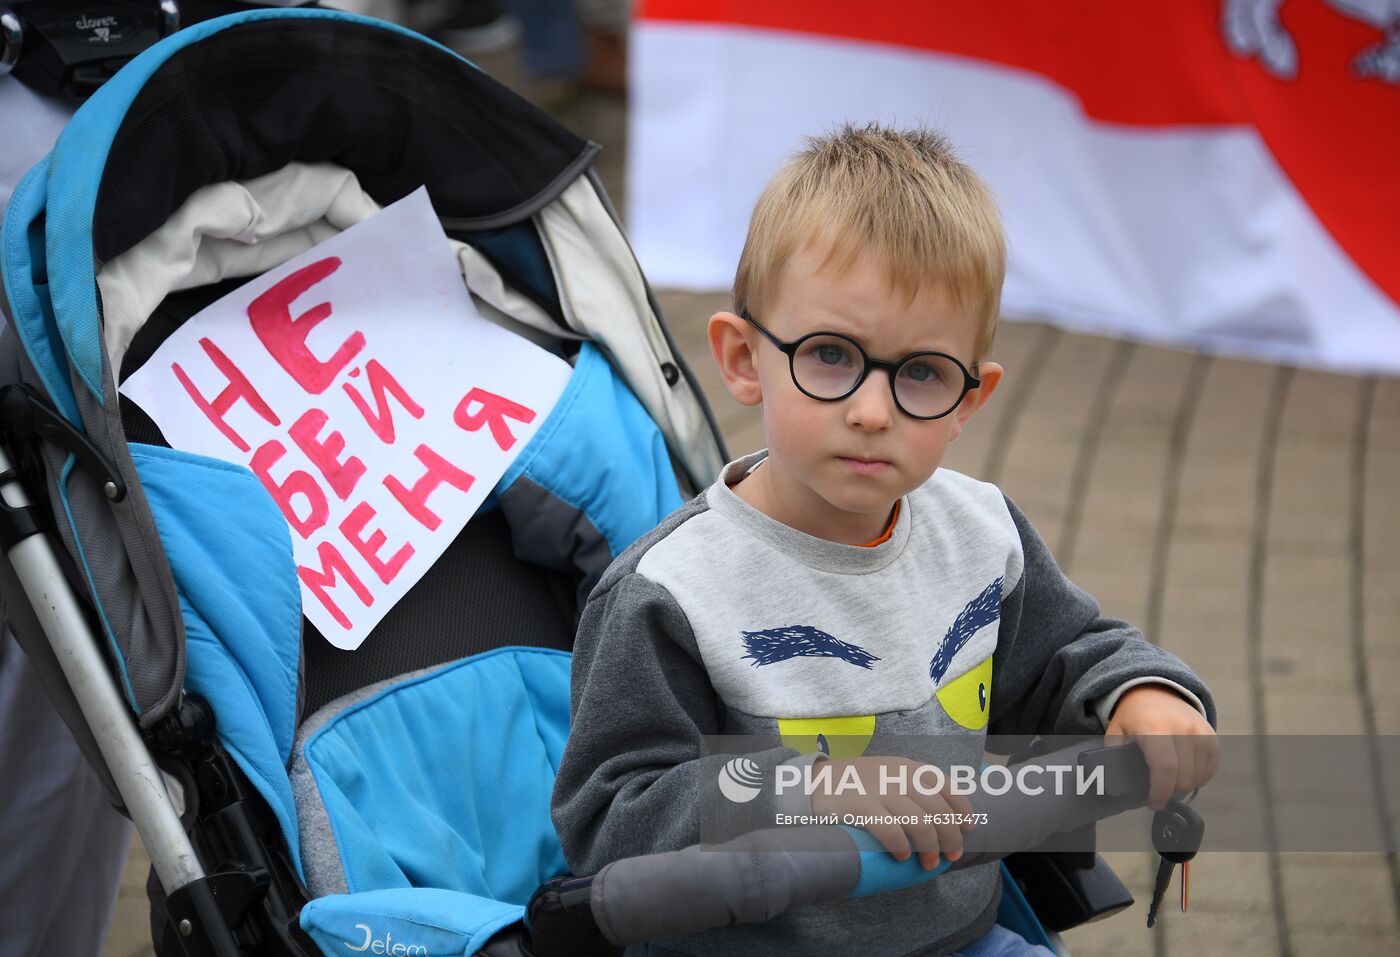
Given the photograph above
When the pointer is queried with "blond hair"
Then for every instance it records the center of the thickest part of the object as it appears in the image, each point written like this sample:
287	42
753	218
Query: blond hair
899	194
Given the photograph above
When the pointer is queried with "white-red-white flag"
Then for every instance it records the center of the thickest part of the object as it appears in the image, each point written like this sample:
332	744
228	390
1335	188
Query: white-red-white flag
1217	173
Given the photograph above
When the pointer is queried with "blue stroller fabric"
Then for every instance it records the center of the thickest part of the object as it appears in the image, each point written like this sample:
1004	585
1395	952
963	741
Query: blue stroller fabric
469	814
243	618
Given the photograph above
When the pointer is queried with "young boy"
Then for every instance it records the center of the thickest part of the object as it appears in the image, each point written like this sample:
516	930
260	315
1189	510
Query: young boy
838	586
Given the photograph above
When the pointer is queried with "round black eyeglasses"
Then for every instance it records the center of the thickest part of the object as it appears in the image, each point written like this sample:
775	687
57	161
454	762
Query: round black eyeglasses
829	366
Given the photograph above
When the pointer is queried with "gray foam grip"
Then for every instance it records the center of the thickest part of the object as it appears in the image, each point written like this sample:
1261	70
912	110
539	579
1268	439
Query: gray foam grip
750	879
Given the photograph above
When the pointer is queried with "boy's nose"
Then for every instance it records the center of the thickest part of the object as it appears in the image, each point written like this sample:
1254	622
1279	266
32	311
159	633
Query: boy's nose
872	406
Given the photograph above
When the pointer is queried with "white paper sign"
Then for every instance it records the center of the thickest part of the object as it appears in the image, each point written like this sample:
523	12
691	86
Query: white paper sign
372	400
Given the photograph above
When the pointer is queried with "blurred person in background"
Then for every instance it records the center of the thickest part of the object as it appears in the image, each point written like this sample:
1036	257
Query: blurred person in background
566	45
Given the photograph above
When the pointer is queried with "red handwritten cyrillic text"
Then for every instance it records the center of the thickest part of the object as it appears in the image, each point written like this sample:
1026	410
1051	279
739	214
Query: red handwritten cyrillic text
415	500
325	455
333	564
382	384
284	337
297	483
353	528
238	388
494	411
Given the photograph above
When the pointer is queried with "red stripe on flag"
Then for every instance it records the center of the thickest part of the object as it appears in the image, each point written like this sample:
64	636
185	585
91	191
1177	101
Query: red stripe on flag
1337	136
1141	63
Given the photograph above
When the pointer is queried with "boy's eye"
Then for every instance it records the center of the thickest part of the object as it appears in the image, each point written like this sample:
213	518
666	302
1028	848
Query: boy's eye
832	354
922	372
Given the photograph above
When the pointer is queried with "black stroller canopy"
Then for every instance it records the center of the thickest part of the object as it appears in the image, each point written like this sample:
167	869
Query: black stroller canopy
245	102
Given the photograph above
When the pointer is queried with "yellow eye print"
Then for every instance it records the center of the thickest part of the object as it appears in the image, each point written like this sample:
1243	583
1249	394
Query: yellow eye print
834	737
967	696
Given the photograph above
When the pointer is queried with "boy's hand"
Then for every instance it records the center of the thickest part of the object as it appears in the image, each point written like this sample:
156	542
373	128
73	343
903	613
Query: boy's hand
1180	746
941	834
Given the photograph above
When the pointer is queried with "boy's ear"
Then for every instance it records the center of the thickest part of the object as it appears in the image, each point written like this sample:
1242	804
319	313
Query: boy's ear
989	374
733	350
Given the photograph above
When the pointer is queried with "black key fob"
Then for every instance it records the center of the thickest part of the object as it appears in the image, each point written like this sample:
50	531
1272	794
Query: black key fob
1177	831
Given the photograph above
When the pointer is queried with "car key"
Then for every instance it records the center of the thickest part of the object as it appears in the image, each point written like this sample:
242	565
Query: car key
1159	888
1177	831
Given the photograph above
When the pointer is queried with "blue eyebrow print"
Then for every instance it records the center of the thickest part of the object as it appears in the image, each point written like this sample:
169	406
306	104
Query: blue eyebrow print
978	613
773	645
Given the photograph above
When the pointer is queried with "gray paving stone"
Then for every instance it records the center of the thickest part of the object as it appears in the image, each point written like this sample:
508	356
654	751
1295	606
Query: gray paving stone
1015	349
1234	710
1122	934
1338	941
1354	895
1227	881
1313	712
1238	934
130	932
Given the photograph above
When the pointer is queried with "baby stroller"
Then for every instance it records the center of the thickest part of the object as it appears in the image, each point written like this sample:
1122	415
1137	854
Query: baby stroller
295	799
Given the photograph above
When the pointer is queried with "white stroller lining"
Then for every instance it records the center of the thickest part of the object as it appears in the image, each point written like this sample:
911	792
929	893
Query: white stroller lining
604	296
243	229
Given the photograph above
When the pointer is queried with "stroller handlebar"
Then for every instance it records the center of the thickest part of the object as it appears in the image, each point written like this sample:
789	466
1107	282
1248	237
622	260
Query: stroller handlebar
676	893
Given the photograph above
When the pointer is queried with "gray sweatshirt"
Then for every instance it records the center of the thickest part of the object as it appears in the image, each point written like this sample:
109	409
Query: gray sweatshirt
725	621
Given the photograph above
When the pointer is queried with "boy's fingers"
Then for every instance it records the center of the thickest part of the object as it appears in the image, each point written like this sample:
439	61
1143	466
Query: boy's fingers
1208	746
950	838
1200	758
889	834
1160	753
1185	765
949	830
958	802
923	837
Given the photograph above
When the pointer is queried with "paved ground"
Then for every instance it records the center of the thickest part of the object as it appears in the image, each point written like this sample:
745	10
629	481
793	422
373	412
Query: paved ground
1244	515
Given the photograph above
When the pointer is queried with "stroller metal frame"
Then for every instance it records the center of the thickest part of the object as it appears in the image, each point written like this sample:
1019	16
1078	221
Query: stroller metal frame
134	770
